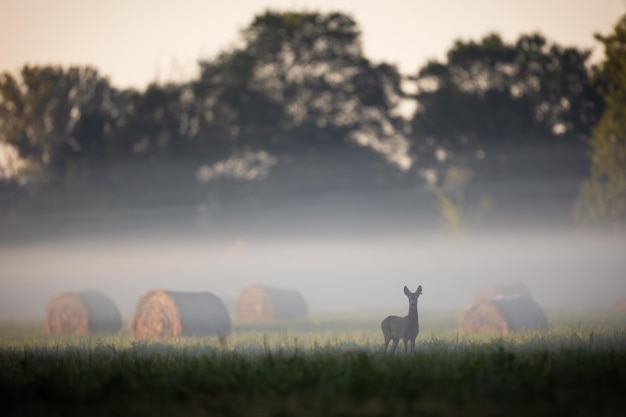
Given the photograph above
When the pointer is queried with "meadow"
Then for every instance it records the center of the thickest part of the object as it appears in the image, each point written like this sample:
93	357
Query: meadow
331	366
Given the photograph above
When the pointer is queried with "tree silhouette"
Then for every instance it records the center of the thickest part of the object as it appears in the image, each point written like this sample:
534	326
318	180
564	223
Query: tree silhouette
53	116
301	89
492	102
602	198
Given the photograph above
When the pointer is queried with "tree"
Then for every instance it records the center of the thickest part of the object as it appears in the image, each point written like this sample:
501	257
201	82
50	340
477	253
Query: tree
51	115
313	65
160	123
301	90
158	146
492	101
602	198
58	120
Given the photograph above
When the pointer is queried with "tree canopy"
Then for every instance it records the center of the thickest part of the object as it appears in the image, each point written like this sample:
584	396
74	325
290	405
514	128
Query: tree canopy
602	198
492	99
296	105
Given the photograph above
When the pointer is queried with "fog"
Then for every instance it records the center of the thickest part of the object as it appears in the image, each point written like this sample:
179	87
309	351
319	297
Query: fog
337	274
293	160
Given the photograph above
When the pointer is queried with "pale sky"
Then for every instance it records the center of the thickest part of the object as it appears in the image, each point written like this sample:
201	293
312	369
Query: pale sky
134	42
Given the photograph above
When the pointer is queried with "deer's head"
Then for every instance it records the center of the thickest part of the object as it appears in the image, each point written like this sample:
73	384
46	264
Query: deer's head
413	295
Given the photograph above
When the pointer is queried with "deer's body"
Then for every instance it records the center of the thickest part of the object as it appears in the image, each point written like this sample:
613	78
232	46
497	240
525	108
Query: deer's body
406	328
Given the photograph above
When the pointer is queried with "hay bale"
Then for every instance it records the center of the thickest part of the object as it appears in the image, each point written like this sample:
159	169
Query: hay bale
503	315
263	304
161	314
83	313
619	305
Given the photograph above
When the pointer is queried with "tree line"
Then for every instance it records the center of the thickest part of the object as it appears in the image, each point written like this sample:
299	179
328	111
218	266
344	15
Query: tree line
298	106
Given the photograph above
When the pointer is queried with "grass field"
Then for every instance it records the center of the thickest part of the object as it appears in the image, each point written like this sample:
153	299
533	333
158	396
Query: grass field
326	366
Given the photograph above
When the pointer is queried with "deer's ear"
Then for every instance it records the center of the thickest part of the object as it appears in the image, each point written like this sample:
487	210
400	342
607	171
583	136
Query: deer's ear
419	289
406	291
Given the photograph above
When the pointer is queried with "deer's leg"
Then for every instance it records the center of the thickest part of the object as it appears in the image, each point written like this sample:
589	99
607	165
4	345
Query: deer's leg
387	339
405	341
412	345
395	345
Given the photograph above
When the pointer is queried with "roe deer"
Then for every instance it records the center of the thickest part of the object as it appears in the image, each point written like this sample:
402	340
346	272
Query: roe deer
405	328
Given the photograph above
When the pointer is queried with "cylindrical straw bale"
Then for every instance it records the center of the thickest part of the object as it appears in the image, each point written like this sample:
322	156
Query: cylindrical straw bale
263	304
83	313
619	305
503	315
161	314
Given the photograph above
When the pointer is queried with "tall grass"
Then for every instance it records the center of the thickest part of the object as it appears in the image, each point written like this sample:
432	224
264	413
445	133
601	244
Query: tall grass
324	367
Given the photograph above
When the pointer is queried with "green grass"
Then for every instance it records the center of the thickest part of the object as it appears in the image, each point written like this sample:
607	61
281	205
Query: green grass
327	367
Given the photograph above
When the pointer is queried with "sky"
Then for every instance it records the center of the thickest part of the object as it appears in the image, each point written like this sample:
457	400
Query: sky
135	42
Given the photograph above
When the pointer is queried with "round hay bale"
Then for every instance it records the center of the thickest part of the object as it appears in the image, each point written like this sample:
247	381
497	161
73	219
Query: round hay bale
263	304
83	313
503	290
161	314
619	305
503	315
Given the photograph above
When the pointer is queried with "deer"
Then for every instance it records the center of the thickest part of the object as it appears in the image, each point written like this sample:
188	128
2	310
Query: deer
406	328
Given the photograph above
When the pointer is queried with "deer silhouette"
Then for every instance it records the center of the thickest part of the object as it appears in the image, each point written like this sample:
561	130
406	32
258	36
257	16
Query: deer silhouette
406	328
